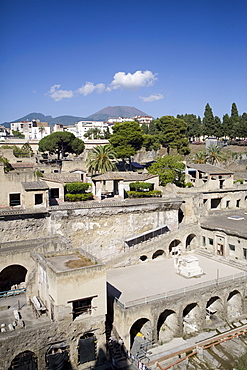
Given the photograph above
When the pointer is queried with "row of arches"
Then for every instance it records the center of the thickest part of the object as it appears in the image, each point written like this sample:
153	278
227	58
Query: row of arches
190	244
170	324
57	356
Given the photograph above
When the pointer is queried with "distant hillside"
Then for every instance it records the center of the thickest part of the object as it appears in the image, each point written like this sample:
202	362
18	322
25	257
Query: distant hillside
64	120
115	112
102	115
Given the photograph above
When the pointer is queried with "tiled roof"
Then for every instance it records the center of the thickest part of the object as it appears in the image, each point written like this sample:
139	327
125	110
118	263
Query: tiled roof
209	168
34	185
62	177
125	176
22	165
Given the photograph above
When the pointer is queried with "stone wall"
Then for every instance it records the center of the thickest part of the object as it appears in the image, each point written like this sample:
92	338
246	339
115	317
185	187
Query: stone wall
100	229
124	318
43	335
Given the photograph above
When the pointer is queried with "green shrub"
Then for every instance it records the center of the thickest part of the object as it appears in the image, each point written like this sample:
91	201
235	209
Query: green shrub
144	194
140	186
38	173
188	185
7	165
78	197
155	193
77	187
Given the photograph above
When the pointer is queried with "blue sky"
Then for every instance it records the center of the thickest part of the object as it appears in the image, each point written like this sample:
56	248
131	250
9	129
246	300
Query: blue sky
76	57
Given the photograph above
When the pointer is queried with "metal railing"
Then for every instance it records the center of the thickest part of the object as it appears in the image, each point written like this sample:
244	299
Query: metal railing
9	293
182	291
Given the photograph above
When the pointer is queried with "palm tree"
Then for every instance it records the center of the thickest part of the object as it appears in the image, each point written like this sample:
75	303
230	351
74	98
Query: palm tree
214	154
200	157
41	130
101	159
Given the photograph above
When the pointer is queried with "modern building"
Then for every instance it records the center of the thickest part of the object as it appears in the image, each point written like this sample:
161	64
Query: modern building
33	130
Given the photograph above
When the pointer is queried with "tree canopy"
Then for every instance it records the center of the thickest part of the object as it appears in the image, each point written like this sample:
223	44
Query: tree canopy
170	170
60	143
126	139
94	133
208	122
194	125
18	134
172	134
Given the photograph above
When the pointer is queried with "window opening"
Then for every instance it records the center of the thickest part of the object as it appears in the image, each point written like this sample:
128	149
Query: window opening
14	199
215	203
55	193
82	306
38	198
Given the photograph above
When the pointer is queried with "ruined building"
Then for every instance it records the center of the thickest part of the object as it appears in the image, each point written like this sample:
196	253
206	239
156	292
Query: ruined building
72	275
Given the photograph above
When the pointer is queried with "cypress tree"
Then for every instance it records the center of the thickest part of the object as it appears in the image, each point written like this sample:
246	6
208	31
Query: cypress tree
208	122
234	111
218	127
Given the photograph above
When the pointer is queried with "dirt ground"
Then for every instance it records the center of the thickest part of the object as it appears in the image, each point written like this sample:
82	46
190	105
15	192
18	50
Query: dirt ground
239	168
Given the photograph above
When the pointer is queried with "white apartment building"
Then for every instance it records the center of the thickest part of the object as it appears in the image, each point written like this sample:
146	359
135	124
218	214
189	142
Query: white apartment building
4	132
119	119
140	119
84	126
33	130
143	119
80	128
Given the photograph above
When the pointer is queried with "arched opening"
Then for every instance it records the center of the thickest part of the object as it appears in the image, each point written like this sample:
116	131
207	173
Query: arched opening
173	244
214	309
234	305
24	360
167	326
87	348
57	356
143	258
140	333
12	275
190	242
158	253
191	317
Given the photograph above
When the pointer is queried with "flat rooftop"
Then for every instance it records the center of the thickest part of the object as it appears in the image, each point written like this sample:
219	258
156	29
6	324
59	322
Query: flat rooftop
69	261
225	222
159	276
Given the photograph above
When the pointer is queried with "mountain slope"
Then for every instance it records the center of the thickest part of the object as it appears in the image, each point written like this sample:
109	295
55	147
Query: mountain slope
117	111
102	115
64	120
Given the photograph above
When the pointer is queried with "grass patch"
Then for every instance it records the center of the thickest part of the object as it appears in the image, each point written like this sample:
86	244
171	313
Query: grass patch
80	262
